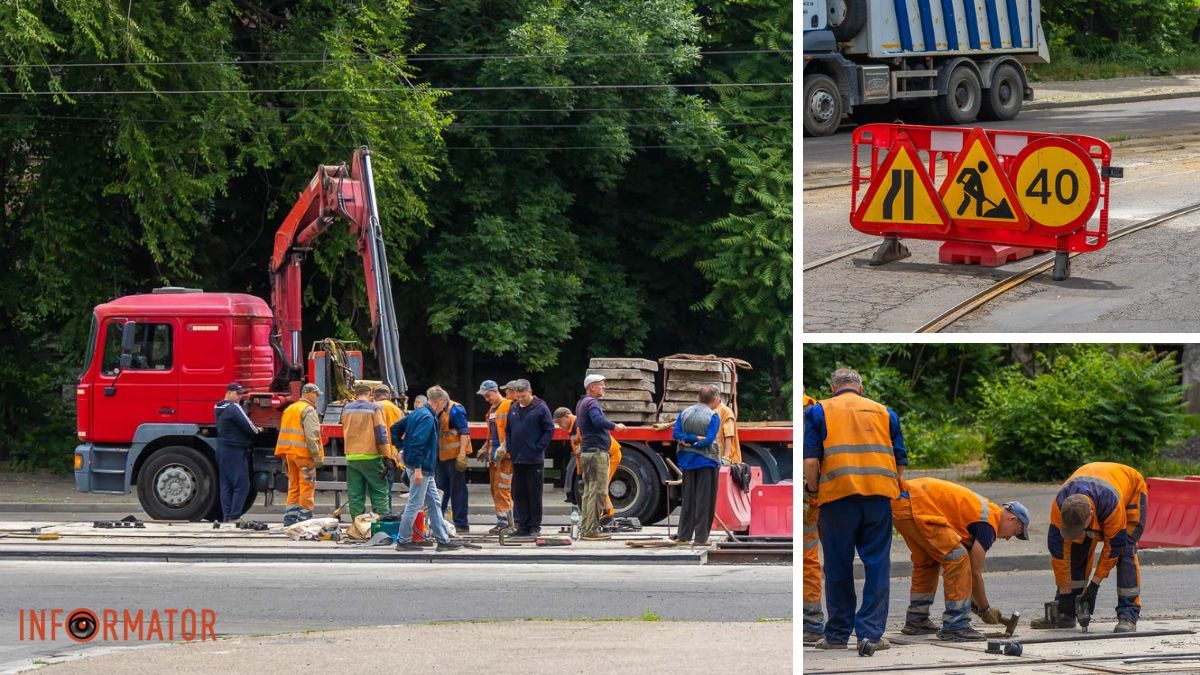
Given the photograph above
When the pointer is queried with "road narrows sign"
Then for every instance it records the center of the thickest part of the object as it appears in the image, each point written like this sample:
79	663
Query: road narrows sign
976	191
901	193
1057	185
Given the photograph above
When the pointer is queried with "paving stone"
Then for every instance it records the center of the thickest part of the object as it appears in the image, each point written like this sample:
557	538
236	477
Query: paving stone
637	364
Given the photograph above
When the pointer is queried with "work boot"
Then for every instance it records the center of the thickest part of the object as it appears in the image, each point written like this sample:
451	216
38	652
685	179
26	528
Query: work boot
449	545
1125	626
881	644
498	528
596	537
811	637
922	626
1062	621
463	529
408	546
823	644
964	634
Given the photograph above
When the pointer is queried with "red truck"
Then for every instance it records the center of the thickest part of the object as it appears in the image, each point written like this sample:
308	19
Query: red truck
156	363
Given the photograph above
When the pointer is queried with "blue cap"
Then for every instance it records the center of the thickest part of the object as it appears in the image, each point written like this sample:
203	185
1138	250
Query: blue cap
488	385
234	386
1018	509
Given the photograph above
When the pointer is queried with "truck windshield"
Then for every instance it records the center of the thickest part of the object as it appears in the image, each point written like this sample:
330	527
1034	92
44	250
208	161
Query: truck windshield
91	348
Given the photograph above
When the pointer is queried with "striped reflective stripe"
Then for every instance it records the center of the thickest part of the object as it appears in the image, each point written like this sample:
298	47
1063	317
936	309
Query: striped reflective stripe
1078	584
358	411
983	509
811	543
1129	592
810	528
921	597
857	471
858	449
955	554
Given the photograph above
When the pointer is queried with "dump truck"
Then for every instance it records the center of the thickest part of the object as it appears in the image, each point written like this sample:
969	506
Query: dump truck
157	362
946	61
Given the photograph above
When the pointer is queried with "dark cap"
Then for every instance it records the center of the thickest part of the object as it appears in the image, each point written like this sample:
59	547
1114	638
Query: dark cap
361	387
519	385
234	386
1076	512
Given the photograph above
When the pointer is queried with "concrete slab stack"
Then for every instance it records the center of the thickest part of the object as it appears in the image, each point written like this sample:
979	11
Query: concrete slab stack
684	377
629	394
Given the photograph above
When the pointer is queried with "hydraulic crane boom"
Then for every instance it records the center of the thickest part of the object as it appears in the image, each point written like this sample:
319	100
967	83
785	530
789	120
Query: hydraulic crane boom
335	191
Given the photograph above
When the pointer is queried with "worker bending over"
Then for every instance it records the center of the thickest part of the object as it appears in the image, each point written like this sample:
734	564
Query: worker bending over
854	453
949	527
1101	501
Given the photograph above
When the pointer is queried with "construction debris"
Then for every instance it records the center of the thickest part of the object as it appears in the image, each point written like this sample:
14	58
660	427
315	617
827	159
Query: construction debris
629	390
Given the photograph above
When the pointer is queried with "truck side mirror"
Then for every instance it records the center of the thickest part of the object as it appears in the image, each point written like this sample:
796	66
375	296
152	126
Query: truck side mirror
128	332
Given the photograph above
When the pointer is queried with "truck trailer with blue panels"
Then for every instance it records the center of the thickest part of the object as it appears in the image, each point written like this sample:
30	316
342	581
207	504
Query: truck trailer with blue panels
940	61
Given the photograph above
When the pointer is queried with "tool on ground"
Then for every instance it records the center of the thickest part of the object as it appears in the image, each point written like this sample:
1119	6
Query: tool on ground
552	541
1010	626
1076	637
126	524
1083	612
656	543
1006	647
1050	612
866	648
728	532
47	536
670	484
252	525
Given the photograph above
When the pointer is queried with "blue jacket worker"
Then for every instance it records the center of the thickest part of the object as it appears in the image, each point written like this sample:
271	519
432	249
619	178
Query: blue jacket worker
699	457
419	437
235	435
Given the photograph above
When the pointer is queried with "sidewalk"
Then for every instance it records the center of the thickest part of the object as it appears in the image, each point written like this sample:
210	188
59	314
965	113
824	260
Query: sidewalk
1048	95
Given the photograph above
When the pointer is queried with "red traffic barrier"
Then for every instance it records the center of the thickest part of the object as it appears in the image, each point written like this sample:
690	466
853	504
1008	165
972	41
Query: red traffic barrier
771	510
733	504
992	195
1172	513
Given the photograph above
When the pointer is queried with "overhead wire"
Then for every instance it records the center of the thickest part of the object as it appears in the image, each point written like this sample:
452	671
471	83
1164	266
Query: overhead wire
539	87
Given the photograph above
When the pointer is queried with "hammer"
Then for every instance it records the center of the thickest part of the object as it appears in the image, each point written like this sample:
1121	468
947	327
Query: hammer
1010	626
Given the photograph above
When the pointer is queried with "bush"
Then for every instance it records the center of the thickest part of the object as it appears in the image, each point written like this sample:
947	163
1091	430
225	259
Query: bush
1097	403
934	445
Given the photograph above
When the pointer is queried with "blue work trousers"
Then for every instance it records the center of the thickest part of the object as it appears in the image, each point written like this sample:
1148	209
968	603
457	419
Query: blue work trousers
453	484
235	481
850	524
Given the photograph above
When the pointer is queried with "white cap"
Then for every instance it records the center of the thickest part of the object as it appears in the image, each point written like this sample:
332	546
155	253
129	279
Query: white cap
592	379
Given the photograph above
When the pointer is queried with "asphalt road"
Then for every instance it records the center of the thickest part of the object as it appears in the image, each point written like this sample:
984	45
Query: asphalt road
1149	118
260	598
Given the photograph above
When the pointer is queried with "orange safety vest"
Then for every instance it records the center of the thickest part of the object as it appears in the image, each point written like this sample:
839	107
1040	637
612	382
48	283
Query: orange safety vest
938	502
391	414
291	432
806	399
448	438
859	458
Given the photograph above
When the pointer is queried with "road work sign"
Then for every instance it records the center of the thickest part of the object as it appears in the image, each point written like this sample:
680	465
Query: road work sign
977	191
1057	184
903	194
1009	193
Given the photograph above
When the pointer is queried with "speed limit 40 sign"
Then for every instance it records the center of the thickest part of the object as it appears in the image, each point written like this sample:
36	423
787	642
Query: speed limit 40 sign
1057	185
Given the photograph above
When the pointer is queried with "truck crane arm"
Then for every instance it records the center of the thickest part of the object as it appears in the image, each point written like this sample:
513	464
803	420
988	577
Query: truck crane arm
348	192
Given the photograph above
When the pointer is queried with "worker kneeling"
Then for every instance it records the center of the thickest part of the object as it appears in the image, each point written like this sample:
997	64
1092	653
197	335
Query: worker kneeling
1101	501
949	527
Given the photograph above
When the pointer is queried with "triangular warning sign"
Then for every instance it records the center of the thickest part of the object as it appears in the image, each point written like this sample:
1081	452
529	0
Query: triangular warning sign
901	194
976	191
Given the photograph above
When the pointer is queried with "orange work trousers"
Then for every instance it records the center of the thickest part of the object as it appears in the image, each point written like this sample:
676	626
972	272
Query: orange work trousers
933	546
814	618
500	477
302	488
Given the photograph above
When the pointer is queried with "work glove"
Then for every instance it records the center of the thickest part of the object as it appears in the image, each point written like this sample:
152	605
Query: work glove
501	453
389	464
1089	596
991	615
460	464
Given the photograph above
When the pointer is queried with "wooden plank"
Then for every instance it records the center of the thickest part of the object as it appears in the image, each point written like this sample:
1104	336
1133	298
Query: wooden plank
696	376
626	406
625	395
636	364
626	385
705	366
621	374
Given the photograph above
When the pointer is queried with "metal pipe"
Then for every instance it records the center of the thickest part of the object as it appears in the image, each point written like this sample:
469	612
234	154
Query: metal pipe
1107	636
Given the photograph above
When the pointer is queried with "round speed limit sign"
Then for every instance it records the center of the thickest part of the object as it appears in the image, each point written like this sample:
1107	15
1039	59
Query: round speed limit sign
1056	184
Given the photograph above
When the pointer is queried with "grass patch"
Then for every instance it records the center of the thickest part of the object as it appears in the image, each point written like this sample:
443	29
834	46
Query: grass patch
767	619
1117	139
1067	67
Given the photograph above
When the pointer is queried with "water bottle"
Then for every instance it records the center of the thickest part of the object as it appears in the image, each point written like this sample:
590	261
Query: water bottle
576	518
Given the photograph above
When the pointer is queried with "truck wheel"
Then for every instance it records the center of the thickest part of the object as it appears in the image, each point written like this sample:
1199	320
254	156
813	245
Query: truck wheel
963	97
847	18
636	490
178	483
1004	98
822	105
756	455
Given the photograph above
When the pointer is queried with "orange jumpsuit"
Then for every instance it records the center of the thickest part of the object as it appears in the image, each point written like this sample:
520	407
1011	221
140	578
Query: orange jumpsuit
499	473
1118	494
299	446
934	519
814	617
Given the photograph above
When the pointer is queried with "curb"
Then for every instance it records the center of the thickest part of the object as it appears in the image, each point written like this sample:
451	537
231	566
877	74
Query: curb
1084	103
385	556
1041	561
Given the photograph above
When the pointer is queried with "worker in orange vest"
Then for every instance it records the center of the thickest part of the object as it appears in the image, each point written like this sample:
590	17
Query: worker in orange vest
391	414
814	618
494	453
854	453
565	419
951	528
299	446
1100	502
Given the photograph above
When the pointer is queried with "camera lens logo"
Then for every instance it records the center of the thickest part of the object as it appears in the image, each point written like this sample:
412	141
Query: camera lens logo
81	624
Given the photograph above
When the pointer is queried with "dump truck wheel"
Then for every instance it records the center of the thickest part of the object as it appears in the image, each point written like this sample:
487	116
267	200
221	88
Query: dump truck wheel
1004	98
963	99
178	483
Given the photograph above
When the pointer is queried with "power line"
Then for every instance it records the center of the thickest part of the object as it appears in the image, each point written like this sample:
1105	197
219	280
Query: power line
417	57
273	108
184	92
